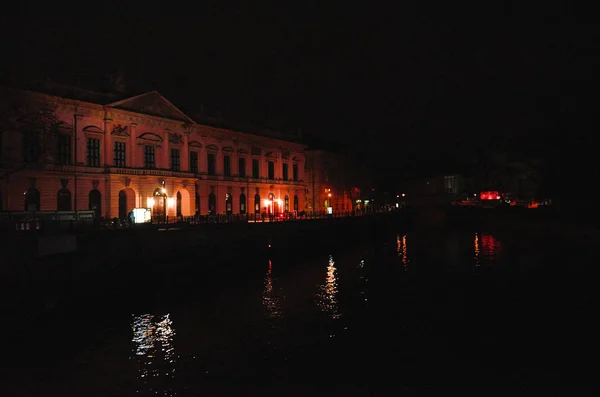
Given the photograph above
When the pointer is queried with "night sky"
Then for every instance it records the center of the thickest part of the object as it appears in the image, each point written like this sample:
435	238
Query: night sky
410	89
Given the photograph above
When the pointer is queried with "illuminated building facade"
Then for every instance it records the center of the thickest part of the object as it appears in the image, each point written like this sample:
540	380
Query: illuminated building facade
62	152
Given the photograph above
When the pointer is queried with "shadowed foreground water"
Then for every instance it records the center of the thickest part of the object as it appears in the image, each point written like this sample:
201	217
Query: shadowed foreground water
464	311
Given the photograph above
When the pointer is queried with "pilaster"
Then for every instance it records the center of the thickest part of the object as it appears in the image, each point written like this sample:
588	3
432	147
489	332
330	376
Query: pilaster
108	152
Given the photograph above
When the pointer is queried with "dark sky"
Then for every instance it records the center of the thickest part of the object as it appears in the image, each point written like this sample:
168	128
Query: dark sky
409	83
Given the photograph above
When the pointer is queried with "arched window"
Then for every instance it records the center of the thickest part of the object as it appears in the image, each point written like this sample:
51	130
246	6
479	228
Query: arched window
63	200
286	204
95	202
257	203
295	202
32	199
178	204
242	203
212	204
228	204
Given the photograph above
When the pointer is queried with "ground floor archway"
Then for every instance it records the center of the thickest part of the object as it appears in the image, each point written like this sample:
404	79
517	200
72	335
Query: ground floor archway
228	204
63	200
32	199
95	202
126	202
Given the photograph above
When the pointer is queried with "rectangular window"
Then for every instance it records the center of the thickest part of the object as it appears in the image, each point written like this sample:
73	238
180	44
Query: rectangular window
271	170
120	150
242	167
212	163
175	160
149	158
93	152
295	172
64	149
285	171
31	147
194	162
227	165
255	169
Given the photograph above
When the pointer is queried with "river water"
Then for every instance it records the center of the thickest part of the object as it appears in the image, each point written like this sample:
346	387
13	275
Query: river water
465	311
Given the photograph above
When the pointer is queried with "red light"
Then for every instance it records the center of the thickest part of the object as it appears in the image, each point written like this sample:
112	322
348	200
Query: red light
493	195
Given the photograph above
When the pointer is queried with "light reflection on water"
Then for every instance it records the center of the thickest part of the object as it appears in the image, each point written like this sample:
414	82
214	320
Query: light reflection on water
270	300
401	249
486	248
327	293
154	353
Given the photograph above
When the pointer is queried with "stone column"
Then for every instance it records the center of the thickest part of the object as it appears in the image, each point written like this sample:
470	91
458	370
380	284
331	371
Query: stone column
79	141
131	160
219	169
185	155
202	159
166	152
108	152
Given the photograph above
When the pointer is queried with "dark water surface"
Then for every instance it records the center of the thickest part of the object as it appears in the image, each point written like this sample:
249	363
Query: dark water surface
461	311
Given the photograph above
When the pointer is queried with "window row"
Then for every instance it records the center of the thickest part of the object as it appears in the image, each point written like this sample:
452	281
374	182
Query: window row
32	151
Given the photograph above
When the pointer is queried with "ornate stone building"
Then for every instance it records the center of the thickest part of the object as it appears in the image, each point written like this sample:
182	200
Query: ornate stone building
79	152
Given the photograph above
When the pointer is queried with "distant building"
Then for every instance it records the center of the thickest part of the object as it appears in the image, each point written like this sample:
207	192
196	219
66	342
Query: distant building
78	150
331	181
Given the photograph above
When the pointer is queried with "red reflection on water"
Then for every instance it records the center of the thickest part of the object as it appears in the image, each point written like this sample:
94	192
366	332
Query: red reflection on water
489	244
486	246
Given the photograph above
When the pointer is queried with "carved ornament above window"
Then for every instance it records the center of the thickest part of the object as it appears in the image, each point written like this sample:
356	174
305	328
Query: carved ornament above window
120	130
195	144
176	139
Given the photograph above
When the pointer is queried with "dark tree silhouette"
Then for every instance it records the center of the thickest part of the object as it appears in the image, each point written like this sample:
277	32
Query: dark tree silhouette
29	132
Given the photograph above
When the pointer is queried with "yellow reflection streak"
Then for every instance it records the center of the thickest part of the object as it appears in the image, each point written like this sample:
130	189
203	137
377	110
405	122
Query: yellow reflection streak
477	250
269	299
154	352
401	248
327	294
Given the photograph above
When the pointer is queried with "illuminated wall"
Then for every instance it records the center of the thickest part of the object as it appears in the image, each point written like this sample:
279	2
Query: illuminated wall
112	156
